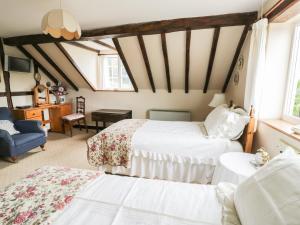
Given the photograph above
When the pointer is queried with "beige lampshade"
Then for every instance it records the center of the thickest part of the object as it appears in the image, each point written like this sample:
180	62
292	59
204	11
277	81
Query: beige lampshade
217	100
59	23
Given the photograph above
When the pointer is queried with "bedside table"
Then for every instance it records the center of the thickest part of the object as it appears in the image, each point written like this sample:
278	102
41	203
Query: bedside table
234	167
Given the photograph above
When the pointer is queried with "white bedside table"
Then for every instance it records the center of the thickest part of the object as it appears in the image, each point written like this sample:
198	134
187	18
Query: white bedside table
234	167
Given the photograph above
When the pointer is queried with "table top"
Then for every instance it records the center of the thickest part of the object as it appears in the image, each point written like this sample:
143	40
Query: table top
112	111
238	163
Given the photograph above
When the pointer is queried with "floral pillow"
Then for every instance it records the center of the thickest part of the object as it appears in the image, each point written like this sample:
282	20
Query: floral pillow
8	126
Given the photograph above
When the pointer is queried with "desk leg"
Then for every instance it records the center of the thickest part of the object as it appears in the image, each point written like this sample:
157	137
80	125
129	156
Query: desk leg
97	126
104	125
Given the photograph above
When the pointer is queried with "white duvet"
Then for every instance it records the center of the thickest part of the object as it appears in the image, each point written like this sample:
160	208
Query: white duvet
115	200
178	141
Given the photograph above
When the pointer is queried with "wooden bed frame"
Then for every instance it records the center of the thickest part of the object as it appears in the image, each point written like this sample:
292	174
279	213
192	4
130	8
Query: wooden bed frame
247	137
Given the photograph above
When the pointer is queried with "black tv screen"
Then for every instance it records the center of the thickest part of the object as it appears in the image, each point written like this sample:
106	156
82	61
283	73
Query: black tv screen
18	64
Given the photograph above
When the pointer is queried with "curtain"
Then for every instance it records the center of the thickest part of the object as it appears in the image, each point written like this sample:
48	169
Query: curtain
256	66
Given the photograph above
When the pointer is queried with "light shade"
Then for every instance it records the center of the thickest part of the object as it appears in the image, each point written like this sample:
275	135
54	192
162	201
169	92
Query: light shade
217	100
59	23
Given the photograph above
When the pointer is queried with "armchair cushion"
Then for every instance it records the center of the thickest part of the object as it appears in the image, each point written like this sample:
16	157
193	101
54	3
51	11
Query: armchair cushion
29	126
8	126
6	141
21	139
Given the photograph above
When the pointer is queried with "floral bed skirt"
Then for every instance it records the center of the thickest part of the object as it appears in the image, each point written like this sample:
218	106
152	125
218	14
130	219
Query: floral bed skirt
112	146
41	196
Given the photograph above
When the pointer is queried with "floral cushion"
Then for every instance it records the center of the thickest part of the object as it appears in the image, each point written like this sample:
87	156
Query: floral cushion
74	116
8	126
41	196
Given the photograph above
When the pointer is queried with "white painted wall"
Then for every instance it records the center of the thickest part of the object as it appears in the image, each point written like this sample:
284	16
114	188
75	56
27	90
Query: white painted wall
236	93
19	81
141	102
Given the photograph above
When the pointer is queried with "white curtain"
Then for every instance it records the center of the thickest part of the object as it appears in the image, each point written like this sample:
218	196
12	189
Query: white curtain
256	66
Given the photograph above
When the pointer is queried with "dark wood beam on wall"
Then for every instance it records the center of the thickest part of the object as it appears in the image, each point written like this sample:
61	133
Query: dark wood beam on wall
187	59
102	43
55	66
236	56
154	27
43	69
166	60
79	45
6	76
146	60
74	64
212	57
127	68
279	8
17	93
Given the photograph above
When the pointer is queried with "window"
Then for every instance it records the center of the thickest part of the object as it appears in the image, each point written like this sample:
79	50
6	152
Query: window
292	105
114	75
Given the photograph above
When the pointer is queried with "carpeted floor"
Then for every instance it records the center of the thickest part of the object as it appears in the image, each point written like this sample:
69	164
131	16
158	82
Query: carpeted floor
61	150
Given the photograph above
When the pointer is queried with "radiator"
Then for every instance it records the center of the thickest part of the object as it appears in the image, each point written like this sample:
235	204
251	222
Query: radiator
169	115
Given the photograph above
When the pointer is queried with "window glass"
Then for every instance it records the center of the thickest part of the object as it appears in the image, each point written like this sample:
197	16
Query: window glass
114	75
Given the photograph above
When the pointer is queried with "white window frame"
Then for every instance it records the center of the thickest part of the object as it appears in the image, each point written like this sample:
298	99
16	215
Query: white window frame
119	73
290	87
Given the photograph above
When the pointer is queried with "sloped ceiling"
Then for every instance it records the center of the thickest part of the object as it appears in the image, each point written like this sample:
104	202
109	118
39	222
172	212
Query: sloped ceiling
201	42
24	17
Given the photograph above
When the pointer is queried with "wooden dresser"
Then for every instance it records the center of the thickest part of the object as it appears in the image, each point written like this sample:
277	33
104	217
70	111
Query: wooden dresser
56	112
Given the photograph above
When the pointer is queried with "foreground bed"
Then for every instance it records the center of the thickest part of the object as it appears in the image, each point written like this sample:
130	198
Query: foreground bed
79	197
177	151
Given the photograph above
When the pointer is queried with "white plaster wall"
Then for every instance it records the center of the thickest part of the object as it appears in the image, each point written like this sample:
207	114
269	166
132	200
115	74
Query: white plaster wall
19	81
236	93
141	102
272	140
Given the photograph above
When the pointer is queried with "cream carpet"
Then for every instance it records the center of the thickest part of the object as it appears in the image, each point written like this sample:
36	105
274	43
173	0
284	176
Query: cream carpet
62	150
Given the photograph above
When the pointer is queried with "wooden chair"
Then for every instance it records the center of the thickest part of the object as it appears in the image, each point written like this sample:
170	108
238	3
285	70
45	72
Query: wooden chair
76	117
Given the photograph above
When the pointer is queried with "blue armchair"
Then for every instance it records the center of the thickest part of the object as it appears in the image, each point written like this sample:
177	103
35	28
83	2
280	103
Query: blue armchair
31	136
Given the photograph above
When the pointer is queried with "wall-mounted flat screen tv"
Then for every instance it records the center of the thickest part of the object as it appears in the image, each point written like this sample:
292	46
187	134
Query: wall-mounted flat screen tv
17	64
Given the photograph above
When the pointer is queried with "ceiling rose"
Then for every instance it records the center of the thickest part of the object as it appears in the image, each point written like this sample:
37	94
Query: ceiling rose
59	23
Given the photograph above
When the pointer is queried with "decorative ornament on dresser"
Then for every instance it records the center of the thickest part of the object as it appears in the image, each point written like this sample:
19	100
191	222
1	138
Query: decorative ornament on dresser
59	23
59	91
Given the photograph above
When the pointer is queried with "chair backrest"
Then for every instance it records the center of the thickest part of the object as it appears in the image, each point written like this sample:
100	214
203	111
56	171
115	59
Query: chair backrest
5	114
80	105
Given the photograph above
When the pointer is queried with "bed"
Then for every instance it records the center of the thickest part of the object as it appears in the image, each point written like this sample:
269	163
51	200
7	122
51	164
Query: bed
169	150
61	196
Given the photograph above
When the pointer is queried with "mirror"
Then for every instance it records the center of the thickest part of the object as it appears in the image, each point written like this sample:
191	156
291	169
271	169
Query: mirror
41	95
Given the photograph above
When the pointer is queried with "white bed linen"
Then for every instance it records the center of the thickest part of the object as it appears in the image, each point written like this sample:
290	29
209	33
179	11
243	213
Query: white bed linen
178	151
115	200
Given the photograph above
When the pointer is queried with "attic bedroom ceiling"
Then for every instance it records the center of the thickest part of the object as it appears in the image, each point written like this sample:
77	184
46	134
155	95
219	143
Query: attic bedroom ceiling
199	59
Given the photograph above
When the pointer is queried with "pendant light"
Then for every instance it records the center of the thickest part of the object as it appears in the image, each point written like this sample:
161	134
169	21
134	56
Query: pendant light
59	23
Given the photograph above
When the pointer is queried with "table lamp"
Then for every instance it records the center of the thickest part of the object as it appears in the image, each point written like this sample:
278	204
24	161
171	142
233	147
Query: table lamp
217	100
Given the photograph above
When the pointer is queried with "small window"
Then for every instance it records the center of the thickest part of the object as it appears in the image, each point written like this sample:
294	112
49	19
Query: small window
292	104
113	73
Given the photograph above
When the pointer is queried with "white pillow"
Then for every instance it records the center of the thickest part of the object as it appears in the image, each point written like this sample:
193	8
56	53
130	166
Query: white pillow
272	194
224	122
8	126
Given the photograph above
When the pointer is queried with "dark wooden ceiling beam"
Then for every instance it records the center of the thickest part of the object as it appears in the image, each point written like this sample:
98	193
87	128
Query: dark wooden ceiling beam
74	64
166	60
43	69
124	61
55	66
236	56
102	43
6	76
154	27
83	46
187	59
211	57
279	8
146	61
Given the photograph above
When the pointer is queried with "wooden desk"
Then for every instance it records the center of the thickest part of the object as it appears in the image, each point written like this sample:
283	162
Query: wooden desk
110	115
56	112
